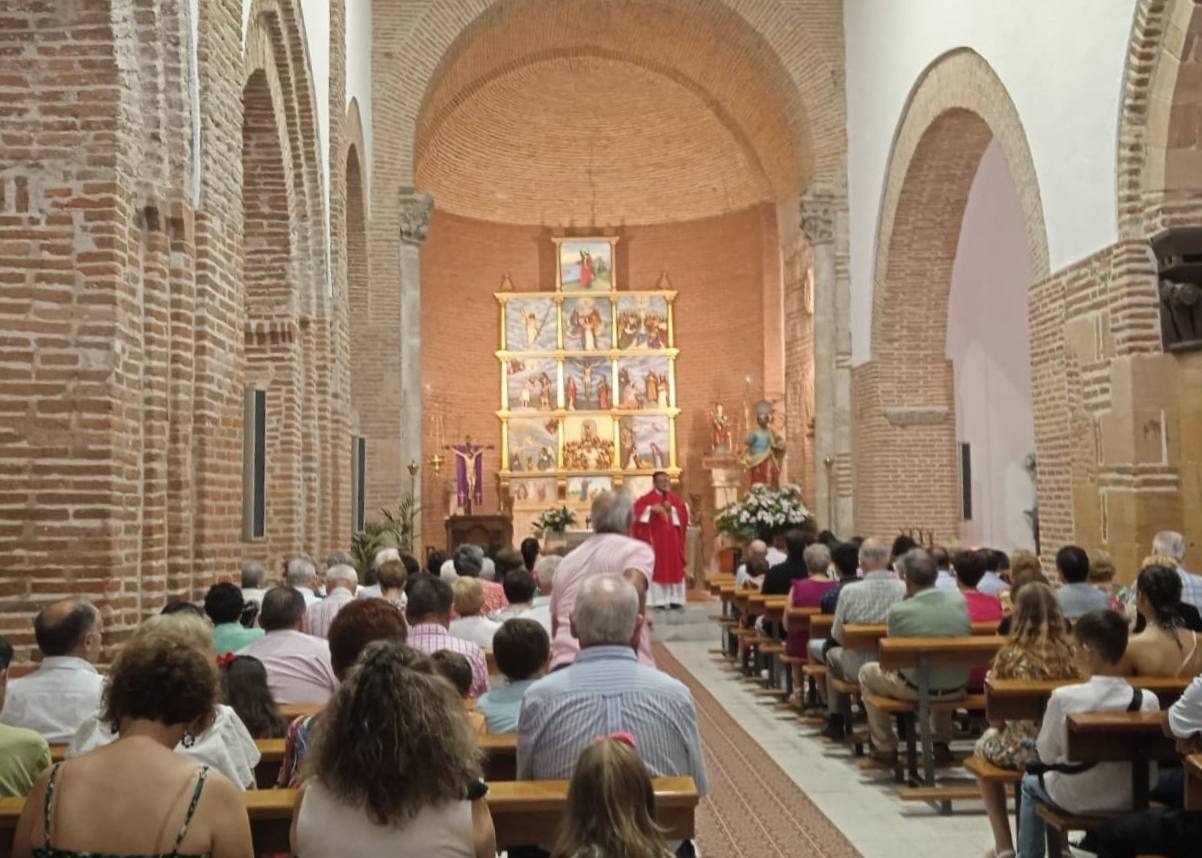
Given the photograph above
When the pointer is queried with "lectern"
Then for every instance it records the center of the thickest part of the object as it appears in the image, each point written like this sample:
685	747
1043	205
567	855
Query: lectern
490	532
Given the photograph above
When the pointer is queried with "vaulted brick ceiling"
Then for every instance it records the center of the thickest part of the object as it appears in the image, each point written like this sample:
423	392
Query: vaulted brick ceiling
643	115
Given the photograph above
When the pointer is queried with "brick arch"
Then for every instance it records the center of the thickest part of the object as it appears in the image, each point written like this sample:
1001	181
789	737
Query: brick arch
905	421
364	374
1160	124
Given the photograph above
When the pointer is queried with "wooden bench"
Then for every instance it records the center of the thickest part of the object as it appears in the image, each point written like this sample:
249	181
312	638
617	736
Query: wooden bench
523	812
1193	782
1134	737
921	655
500	758
1025	699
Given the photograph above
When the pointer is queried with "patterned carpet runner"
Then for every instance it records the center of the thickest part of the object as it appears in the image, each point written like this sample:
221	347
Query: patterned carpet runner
753	808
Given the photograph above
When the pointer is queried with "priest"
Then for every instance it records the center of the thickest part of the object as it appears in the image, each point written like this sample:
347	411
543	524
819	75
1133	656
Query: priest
661	520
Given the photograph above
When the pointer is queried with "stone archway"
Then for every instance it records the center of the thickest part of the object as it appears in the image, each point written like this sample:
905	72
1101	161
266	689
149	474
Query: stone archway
906	471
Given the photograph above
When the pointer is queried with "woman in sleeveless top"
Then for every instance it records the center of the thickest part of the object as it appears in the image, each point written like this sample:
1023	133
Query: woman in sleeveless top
1038	648
135	797
1165	647
394	768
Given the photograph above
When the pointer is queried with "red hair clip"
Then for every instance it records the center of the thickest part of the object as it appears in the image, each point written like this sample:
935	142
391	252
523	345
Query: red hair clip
624	738
225	658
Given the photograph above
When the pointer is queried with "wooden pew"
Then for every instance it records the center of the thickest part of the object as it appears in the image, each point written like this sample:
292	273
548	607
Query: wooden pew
1025	699
1193	782
523	812
921	655
1134	737
714	583
500	760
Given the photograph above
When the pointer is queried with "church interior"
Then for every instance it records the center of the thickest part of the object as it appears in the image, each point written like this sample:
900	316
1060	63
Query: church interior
317	279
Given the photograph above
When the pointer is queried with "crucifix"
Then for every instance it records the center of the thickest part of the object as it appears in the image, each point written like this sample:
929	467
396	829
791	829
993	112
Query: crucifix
469	472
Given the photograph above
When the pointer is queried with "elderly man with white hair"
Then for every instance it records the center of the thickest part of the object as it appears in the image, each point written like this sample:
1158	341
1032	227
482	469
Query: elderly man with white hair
253	574
607	690
609	551
758	548
1170	543
301	575
341	582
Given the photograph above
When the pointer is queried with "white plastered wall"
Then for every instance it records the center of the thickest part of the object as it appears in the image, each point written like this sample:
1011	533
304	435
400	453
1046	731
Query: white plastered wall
988	344
1062	63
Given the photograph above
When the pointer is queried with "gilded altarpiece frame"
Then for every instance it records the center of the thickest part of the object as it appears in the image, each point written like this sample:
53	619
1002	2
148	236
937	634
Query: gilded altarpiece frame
587	384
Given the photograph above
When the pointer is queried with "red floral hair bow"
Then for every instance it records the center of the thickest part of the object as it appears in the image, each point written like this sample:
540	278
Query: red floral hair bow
225	658
624	738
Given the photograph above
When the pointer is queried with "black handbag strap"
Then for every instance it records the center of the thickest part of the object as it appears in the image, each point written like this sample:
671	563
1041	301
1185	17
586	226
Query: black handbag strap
1137	699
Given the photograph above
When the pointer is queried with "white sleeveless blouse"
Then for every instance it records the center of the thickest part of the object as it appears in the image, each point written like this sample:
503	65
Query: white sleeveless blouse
329	828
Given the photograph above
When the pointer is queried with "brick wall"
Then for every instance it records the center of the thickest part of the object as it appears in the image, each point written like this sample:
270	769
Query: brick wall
716	265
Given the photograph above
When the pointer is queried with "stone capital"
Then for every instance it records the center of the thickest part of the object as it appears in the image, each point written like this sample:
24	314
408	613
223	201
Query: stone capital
415	213
818	218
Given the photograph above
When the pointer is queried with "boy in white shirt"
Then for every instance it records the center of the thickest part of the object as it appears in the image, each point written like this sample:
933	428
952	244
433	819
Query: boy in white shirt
1101	788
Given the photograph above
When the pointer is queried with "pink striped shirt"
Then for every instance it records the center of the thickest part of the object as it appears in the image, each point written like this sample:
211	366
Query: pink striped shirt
431	637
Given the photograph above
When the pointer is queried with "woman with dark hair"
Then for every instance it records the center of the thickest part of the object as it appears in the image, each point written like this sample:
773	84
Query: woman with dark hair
394	769
1165	647
611	805
136	796
244	687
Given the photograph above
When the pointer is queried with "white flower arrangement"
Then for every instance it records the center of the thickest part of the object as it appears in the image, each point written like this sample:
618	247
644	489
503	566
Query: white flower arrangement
764	512
554	519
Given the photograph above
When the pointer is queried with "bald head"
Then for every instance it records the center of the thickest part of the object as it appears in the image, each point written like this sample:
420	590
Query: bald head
874	555
757	548
68	627
342	575
606	612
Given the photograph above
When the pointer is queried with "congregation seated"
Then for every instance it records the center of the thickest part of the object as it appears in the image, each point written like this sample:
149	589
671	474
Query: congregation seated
1171	544
1165	647
1167	829
1038	647
611	805
1102	574
1076	595
469	563
863	602
808	592
1025	569
507	560
434	561
755	571
24	754
244	689
756	549
182	606
297	664
301	574
945	578
982	607
1101	638
926	611
780	577
252	579
606	689
341	583
224	605
522	651
846	559
391	579
223	743
998	572
472	624
611	550
454	668
136	796
530	549
394	768
357	625
1190	617
370	588
429	614
66	688
521	588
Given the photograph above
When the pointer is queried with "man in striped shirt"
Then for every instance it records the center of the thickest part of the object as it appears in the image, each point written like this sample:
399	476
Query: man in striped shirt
607	690
429	613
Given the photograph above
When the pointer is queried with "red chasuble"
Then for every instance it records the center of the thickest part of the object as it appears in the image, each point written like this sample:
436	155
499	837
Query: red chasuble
665	537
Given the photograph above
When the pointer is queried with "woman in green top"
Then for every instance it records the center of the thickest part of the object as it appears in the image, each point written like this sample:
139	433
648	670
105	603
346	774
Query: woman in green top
135	797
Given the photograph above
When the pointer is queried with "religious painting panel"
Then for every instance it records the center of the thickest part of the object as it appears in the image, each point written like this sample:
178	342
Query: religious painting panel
643	322
588	324
530	383
587	383
588	443
643	442
531	324
586	265
533	492
533	442
637	486
582	490
644	382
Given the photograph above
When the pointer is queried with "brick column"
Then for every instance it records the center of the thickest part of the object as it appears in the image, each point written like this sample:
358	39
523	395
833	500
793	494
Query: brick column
832	377
414	222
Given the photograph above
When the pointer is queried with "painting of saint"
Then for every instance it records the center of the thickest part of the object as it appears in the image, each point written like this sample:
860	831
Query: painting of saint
532	444
530	382
530	324
533	492
582	490
644	382
587	324
588	443
643	322
586	265
644	443
590	378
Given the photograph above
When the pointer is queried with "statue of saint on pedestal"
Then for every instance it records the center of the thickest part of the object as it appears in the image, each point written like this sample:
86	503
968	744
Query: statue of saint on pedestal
765	449
720	424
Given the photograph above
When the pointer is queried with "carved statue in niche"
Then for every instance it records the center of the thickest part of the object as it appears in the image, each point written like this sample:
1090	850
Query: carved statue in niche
765	449
720	424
